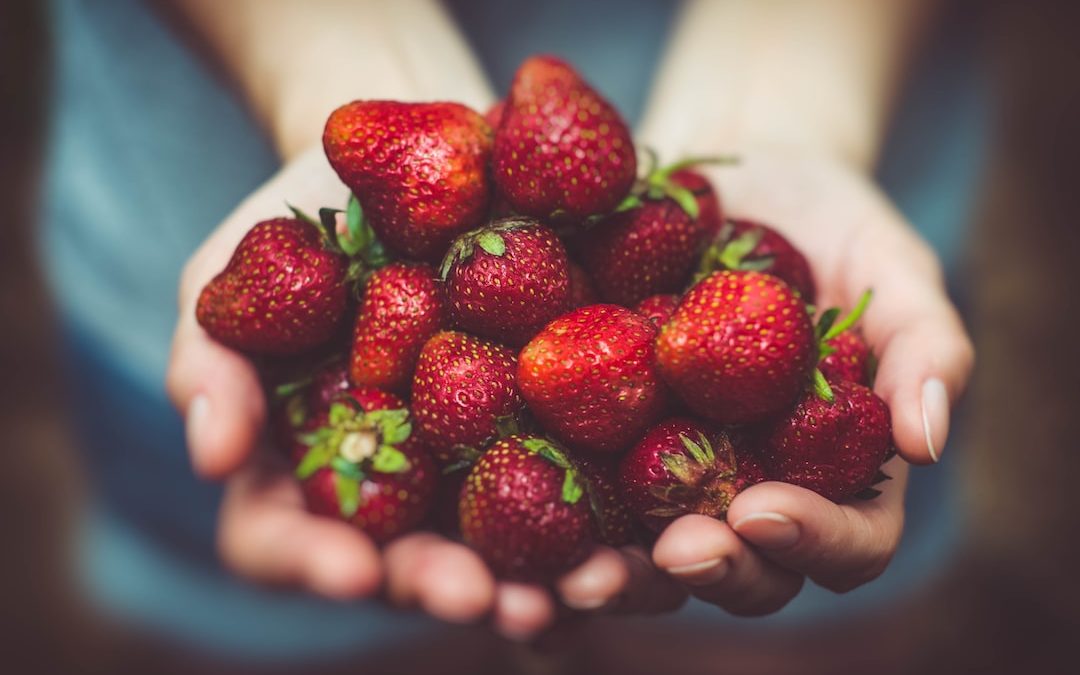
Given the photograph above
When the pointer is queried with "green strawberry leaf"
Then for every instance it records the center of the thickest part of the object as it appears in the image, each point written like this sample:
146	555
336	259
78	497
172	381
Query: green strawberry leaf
348	494
702	453
389	459
548	451
822	388
679	466
359	234
689	162
631	201
507	425
344	467
849	320
684	198
571	488
289	388
492	243
301	215
733	255
828	318
296	411
340	413
316	458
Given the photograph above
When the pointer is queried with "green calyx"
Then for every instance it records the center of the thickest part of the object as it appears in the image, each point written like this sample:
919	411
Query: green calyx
488	239
698	488
730	252
355	444
657	183
827	328
572	488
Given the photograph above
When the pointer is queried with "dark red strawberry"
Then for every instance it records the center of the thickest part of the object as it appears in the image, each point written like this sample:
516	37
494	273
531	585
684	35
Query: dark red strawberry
682	466
748	245
462	393
561	151
418	169
590	378
833	448
612	523
506	280
710	214
403	305
366	467
850	359
295	402
525	510
739	348
283	291
658	308
582	291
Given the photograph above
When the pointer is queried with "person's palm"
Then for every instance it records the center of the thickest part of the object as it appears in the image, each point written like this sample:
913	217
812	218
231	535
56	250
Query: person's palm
855	240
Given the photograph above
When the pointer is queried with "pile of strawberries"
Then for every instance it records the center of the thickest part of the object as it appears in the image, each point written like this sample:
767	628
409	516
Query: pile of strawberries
517	336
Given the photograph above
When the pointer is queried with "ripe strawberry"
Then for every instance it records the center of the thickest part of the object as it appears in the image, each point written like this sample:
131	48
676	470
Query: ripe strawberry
561	151
463	391
590	378
850	360
582	292
682	466
739	348
418	169
710	214
365	466
612	523
524	509
747	245
494	114
658	308
403	305
282	292
296	402
833	448
506	280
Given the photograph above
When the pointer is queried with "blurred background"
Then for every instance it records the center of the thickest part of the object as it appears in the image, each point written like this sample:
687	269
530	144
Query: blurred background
1009	601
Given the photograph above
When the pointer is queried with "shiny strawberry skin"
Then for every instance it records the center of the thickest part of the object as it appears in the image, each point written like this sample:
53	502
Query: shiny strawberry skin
582	292
404	304
739	348
834	449
513	512
282	292
851	360
656	495
462	387
658	308
508	297
612	522
418	169
590	378
561	151
710	213
787	262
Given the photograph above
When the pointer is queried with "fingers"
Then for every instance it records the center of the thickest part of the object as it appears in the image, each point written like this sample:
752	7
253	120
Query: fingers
839	546
621	580
446	579
522	610
718	567
265	535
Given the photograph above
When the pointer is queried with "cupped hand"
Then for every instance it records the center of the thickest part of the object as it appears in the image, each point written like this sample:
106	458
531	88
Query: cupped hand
265	533
778	534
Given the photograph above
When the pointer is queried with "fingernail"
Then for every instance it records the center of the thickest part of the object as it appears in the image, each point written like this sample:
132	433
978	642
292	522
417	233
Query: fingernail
585	604
768	530
935	416
198	413
701	574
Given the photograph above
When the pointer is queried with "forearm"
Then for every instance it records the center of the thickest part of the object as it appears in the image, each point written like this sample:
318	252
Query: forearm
296	61
787	74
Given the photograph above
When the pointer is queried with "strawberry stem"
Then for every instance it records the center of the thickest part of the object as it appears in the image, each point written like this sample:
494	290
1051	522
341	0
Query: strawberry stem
822	388
849	320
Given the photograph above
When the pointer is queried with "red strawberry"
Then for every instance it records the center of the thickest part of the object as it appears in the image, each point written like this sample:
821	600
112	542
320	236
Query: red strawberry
582	292
850	361
561	152
747	245
739	348
463	391
506	280
296	402
833	448
282	292
494	114
710	214
590	378
612	523
524	509
403	306
418	169
365	466
682	466
658	308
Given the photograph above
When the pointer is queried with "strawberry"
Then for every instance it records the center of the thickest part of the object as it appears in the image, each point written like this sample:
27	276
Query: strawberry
590	378
582	292
464	395
295	403
739	348
748	245
506	280
403	305
525	510
364	465
833	448
710	214
418	169
494	114
282	292
682	466
612	523
658	308
850	359
562	152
